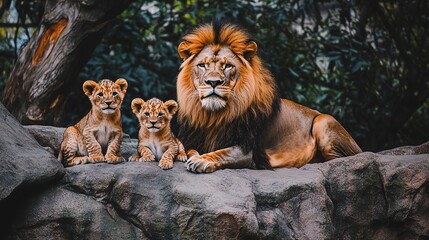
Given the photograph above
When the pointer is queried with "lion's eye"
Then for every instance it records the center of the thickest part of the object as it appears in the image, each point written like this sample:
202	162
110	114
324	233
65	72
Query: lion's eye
114	94
227	66
146	114
160	114
100	94
201	65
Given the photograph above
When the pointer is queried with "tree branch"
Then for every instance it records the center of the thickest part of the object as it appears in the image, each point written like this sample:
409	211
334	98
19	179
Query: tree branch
48	65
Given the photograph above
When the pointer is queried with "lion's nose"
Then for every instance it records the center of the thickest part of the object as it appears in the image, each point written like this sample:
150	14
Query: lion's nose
214	82
152	121
108	102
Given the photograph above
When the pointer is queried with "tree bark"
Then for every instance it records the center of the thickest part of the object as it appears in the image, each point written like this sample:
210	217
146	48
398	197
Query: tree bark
49	64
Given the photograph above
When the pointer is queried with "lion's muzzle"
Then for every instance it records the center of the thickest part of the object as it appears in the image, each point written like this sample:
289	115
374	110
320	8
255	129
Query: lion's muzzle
214	82
213	98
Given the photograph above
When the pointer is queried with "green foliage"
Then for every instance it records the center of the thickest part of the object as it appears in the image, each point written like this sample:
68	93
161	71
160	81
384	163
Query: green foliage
365	62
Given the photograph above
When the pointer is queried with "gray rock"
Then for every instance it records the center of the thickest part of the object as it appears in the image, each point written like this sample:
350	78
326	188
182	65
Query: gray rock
24	164
47	136
408	150
379	196
367	196
51	138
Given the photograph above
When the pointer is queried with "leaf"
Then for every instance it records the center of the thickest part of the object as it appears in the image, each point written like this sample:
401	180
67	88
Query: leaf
358	66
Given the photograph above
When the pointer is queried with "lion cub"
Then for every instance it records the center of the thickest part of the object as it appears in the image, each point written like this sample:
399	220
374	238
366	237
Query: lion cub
100	131
156	140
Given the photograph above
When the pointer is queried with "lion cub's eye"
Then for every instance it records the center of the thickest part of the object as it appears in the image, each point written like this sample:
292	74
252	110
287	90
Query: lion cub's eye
100	94
201	65
227	66
114	94
146	114
160	114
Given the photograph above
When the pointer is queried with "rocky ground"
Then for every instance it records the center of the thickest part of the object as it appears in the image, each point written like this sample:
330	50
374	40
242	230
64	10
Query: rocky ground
368	196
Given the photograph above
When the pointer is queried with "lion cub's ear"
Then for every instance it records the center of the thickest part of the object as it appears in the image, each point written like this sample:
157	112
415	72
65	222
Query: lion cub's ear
123	85
137	105
183	50
250	50
89	87
171	106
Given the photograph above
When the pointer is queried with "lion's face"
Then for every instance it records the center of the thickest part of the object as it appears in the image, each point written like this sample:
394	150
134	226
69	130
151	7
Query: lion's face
214	77
222	79
106	96
154	115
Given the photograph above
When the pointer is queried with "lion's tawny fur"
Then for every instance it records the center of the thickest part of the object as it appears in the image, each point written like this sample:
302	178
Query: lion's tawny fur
156	140
97	137
230	111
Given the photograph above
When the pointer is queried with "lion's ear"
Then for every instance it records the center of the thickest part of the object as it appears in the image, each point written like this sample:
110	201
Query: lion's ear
89	87
171	106
250	51
183	50
137	105
123	85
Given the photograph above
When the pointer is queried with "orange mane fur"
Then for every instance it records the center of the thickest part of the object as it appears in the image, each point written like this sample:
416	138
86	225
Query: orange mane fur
254	93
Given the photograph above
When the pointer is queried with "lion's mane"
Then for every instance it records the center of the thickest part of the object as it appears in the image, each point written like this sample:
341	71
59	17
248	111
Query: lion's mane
254	101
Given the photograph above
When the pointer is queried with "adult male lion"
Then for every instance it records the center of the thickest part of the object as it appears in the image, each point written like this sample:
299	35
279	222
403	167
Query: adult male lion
229	110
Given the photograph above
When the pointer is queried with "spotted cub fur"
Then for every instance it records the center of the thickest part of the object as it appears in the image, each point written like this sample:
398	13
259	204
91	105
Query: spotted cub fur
156	140
100	131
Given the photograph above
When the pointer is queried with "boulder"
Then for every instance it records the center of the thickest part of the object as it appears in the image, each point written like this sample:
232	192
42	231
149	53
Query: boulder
24	164
367	196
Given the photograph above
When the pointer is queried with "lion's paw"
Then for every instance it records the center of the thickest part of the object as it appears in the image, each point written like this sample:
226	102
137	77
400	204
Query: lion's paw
112	158
147	157
181	156
134	158
192	152
165	164
199	164
77	160
96	158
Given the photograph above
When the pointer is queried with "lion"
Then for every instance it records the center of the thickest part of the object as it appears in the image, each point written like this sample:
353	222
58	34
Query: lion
230	113
100	131
156	140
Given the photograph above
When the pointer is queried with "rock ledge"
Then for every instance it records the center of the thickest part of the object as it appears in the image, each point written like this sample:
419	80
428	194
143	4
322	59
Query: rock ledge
367	196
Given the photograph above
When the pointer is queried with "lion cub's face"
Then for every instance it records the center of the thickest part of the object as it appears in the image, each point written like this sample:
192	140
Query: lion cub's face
215	76
106	96
154	115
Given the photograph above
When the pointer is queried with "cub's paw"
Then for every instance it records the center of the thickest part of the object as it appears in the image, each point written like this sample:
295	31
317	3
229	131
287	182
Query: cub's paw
165	164
198	164
134	158
112	158
181	156
96	158
147	156
76	161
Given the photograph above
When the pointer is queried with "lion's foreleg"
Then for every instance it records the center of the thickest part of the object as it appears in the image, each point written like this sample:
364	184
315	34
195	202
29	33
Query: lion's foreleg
144	154
92	146
112	153
181	154
168	156
232	157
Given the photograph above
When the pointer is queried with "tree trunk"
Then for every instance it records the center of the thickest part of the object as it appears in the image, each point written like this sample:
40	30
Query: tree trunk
49	64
